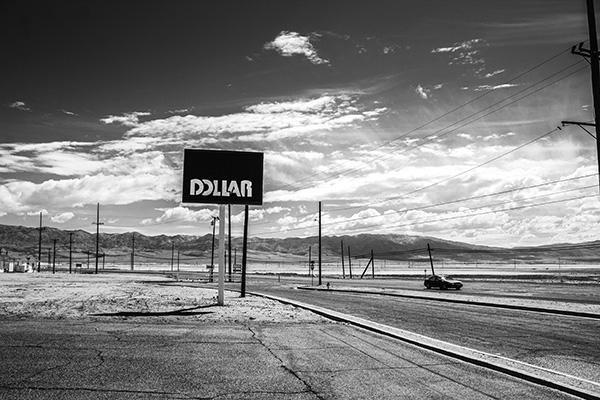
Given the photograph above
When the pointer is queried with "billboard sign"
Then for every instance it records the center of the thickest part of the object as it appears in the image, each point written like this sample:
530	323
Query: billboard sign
222	177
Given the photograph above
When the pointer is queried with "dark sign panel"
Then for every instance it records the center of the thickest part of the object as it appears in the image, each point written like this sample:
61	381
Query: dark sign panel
222	177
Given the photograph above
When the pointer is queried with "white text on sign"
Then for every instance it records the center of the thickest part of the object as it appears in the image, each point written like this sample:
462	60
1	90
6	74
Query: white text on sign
206	187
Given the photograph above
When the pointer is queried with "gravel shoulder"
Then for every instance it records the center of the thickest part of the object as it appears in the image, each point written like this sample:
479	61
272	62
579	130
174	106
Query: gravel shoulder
127	296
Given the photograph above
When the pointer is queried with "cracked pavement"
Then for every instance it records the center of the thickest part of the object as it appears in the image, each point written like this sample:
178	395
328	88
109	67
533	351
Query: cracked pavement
111	358
141	337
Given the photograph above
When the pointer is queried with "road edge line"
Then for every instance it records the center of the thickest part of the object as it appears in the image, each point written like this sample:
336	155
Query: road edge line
554	379
579	314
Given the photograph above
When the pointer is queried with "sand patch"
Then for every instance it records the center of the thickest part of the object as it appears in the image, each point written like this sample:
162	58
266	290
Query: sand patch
126	296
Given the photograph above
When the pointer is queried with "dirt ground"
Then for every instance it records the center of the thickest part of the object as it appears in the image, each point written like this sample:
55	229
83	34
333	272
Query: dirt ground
75	296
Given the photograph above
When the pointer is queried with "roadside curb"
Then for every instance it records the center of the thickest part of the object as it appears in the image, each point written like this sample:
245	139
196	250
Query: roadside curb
459	301
557	380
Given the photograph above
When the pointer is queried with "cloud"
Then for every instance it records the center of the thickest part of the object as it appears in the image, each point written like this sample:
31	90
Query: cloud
127	119
267	121
495	136
146	163
466	52
180	111
489	75
73	158
458	47
62	218
123	181
289	44
424	94
19	105
181	214
490	87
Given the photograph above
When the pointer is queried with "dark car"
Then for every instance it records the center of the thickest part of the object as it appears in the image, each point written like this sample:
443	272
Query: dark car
442	282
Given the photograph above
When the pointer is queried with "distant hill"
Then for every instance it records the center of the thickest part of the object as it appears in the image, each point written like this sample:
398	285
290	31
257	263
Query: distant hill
22	240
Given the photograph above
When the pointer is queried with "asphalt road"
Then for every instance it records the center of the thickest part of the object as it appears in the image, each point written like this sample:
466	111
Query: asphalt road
138	359
565	344
525	289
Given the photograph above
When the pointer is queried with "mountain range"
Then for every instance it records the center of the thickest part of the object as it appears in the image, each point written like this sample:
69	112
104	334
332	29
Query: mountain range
23	241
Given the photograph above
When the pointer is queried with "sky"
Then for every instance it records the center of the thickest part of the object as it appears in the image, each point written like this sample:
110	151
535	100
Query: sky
426	117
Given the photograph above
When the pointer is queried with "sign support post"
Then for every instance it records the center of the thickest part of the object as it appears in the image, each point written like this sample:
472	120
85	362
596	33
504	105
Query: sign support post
221	297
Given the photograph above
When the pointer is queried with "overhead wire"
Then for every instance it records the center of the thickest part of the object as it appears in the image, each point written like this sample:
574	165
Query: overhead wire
456	201
441	219
433	136
367	226
457	175
386	143
440	132
466	199
460	173
487	162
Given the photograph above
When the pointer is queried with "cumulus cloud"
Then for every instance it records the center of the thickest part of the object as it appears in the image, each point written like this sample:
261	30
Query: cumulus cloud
123	182
181	214
289	44
146	163
62	218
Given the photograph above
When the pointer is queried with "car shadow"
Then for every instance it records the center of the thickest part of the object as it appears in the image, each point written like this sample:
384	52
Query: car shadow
180	313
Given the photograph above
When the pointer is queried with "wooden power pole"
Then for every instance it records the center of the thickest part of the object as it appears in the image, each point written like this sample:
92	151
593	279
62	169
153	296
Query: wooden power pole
592	55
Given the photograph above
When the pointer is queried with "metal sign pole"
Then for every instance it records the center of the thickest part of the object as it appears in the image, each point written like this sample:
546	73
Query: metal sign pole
221	299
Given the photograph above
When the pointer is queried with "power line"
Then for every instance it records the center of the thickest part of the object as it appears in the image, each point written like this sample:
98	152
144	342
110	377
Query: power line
362	218
466	171
492	194
438	118
433	135
429	221
453	176
438	133
475	208
478	118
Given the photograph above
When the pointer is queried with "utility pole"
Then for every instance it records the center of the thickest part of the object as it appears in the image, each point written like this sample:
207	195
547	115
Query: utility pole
343	270
54	256
97	223
172	255
320	248
430	259
595	66
349	263
592	56
40	245
310	262
71	251
132	249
